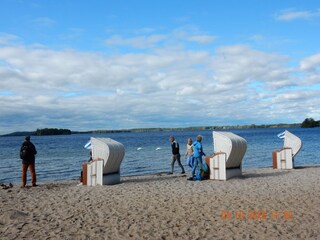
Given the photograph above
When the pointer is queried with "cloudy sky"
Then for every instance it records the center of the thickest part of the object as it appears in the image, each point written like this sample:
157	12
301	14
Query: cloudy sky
116	64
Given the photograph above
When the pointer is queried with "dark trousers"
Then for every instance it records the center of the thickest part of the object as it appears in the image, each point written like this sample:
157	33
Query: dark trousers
32	169
176	157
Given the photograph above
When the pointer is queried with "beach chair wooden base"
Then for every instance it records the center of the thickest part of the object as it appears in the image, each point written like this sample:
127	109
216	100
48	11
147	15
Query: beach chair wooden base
282	159
218	170
84	173
95	173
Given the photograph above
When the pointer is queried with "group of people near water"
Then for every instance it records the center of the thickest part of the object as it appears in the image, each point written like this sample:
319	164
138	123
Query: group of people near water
193	155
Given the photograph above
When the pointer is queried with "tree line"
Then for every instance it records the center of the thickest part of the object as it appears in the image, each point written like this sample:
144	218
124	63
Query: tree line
52	131
310	123
307	123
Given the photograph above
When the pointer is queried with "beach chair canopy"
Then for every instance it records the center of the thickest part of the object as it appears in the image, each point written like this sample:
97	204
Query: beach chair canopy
111	151
293	142
232	145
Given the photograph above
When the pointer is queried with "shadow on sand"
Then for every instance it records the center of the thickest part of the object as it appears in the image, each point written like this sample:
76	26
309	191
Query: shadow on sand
152	178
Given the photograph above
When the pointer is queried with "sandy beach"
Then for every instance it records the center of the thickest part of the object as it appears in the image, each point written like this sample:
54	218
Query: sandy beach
263	204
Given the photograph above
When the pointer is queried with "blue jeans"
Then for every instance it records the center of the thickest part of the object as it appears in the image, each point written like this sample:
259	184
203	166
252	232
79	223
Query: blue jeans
197	163
190	161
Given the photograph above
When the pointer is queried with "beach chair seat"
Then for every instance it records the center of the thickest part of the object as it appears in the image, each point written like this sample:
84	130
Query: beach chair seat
104	169
284	157
229	150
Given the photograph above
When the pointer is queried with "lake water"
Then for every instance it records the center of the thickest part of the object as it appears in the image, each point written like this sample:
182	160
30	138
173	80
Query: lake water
61	157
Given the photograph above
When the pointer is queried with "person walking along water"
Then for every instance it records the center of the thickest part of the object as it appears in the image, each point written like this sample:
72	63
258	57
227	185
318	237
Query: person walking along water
197	157
189	153
175	154
27	154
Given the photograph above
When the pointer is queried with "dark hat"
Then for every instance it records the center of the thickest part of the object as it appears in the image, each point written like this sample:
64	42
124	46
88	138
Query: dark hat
27	138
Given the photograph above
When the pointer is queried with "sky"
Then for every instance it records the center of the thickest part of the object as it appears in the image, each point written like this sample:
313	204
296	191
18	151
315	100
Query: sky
116	64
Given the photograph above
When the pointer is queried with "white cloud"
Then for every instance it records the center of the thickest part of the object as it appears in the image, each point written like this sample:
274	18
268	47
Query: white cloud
240	65
192	34
257	38
7	38
163	87
155	40
310	67
138	42
203	39
291	14
44	22
311	63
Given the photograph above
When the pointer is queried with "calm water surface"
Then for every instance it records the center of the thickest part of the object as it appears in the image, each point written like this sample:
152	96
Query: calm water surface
61	157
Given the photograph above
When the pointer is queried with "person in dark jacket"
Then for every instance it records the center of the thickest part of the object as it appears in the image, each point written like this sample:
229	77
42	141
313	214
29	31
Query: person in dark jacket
27	154
175	154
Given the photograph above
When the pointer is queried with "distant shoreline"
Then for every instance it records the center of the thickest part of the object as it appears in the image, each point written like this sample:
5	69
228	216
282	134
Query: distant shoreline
280	125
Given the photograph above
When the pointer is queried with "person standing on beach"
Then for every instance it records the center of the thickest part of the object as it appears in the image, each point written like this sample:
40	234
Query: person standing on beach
197	156
175	154
27	154
189	153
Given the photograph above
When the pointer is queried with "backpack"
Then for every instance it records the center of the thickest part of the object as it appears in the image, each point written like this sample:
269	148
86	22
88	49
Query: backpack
198	176
204	167
24	152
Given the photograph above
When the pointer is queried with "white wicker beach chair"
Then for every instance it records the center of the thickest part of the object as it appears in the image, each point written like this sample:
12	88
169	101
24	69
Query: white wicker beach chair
284	157
229	150
107	155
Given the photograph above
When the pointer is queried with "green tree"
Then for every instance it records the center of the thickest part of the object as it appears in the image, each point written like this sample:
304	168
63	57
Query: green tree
309	123
52	131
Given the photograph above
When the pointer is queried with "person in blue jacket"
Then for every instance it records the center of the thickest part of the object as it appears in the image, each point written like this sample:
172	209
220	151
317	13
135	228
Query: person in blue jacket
197	156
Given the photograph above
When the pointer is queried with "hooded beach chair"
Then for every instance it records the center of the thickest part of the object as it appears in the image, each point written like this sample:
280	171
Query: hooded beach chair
229	150
283	158
104	169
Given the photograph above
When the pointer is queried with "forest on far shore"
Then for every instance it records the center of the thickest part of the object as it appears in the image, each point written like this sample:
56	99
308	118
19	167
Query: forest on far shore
307	123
